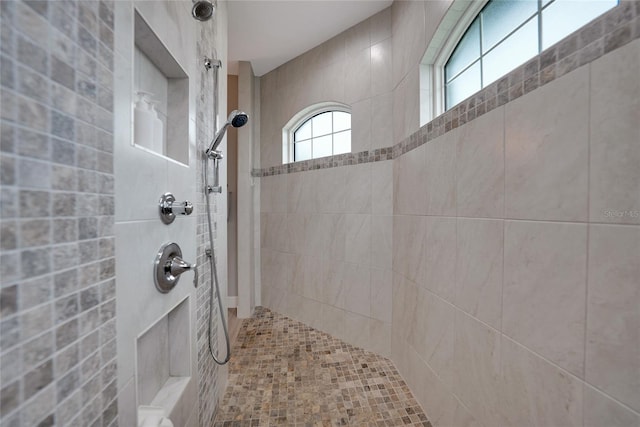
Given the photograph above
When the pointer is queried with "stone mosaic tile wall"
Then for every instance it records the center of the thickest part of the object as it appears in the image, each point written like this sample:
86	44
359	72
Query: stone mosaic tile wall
208	371
57	267
610	31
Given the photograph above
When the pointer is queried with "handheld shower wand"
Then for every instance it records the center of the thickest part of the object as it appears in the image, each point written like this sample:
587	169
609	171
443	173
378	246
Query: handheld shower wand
236	119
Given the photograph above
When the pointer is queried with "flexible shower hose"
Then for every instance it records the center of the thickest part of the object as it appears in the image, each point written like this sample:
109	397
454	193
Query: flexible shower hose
214	275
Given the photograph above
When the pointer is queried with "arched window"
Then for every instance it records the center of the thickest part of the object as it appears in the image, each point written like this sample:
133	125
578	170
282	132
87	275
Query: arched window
507	33
319	131
479	42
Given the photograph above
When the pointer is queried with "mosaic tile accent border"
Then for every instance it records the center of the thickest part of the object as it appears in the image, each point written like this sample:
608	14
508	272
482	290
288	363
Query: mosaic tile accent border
284	372
614	29
346	159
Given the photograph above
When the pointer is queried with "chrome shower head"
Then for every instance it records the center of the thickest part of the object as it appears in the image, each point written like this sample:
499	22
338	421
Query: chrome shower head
236	119
202	10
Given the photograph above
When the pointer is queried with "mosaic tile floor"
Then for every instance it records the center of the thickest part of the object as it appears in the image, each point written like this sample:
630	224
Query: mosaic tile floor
285	373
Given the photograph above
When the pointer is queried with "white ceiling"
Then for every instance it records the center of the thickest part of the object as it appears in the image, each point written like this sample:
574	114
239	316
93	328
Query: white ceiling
269	33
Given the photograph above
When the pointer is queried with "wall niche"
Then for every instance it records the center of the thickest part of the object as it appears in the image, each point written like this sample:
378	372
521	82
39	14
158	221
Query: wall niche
161	96
163	360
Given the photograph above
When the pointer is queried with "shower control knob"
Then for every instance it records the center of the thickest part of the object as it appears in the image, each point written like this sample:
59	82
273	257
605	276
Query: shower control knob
169	208
168	267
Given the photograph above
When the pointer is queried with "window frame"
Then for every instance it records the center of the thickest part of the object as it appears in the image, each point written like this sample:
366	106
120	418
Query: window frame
301	118
452	28
454	25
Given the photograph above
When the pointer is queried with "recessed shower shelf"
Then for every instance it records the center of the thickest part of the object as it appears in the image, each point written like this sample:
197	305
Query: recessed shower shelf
158	74
170	393
163	371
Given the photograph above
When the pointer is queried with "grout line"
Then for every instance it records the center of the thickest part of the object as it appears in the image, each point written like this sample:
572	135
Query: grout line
504	221
588	238
582	381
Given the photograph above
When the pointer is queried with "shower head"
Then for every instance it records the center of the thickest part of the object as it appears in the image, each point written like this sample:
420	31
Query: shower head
202	10
236	119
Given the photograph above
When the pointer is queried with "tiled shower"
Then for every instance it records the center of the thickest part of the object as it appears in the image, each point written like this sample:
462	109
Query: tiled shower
58	330
490	254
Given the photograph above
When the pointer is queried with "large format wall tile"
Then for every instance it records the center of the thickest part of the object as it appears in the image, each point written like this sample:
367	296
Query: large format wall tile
408	246
408	41
601	410
536	393
381	110
432	335
357	289
479	262
358	239
480	166
432	394
477	368
462	417
409	174
356	329
405	307
296	229
440	256
332	320
316	233
331	190
546	150
545	289
335	237
301	192
615	135
358	76
613	312
381	78
382	188
440	175
381	294
381	241
358	193
380	337
268	193
361	126
334	289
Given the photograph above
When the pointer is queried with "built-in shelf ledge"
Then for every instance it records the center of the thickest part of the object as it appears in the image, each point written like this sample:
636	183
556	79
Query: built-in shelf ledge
170	393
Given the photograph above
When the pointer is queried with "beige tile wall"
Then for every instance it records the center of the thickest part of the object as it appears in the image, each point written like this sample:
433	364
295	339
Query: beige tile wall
353	68
326	250
517	304
327	234
504	253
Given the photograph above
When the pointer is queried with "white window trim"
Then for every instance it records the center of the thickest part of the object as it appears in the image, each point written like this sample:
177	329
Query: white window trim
301	117
451	29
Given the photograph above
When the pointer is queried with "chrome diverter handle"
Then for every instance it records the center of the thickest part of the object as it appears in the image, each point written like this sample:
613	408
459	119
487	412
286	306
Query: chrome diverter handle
169	208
